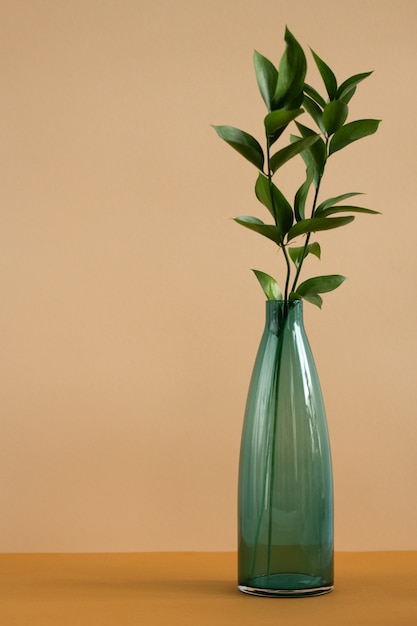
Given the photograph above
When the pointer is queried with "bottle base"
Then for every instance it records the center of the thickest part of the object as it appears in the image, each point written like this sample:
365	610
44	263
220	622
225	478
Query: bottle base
286	586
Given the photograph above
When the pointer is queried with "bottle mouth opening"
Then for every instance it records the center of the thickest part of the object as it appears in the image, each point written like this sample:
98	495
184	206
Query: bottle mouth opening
284	302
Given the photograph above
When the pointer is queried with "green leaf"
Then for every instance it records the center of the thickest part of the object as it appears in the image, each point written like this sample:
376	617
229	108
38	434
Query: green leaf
350	83
314	111
316	224
267	230
327	75
250	219
332	201
314	248
285	154
310	288
314	95
305	131
316	154
314	158
348	96
313	298
352	132
266	76
276	120
298	254
244	143
334	116
302	193
291	73
320	284
345	209
269	285
278	205
296	103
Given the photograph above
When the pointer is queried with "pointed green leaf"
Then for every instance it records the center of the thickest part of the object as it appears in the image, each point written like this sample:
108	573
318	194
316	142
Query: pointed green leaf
314	248
267	230
266	76
348	96
327	75
352	132
249	219
313	298
345	209
296	103
279	119
298	254
277	204
291	72
314	111
320	284
334	116
350	83
332	201
317	151
244	143
314	95
269	285
314	158
305	131
302	193
316	224
285	154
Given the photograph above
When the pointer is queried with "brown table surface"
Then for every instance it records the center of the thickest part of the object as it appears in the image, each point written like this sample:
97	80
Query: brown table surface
196	589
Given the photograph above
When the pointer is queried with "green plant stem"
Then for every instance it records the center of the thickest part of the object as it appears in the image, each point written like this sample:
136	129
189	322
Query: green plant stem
307	239
313	210
268	485
268	154
287	281
281	339
270	460
287	261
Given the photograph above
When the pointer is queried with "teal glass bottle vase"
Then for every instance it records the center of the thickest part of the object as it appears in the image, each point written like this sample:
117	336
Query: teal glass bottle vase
285	504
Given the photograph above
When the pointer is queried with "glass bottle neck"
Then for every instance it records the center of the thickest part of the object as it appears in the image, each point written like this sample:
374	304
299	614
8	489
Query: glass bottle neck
278	312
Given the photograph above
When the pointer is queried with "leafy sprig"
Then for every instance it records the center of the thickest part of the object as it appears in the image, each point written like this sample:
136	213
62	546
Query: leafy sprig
287	96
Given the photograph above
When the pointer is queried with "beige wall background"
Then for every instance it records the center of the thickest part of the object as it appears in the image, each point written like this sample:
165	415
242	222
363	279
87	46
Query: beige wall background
129	315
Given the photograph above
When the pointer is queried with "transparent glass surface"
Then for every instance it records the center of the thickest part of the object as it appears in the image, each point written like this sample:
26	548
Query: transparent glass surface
285	510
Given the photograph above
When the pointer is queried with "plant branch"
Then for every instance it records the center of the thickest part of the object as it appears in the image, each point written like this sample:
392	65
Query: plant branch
268	156
313	210
307	238
287	281
287	261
